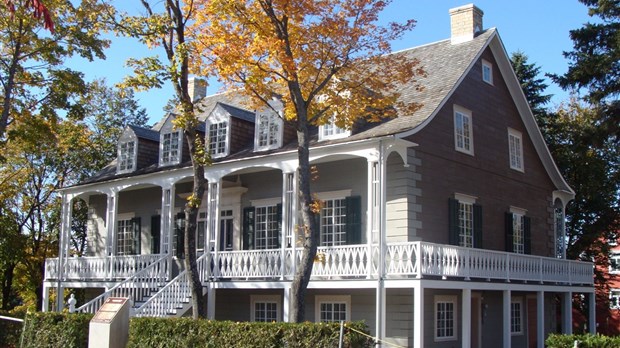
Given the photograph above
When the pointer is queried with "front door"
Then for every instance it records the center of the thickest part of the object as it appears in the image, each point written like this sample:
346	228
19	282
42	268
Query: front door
226	230
532	324
476	321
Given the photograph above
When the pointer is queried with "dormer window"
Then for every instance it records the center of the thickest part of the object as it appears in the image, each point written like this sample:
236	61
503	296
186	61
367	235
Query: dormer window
126	156
269	127
170	148
331	131
218	134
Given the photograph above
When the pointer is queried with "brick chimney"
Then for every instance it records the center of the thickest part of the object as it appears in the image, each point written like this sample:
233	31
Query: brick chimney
465	23
197	88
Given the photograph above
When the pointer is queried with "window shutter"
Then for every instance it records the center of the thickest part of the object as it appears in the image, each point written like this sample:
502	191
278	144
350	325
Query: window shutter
136	227
155	233
248	228
527	235
279	218
180	232
509	232
353	207
477	226
453	221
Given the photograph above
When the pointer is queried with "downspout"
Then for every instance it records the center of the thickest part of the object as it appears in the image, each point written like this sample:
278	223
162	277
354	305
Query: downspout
379	329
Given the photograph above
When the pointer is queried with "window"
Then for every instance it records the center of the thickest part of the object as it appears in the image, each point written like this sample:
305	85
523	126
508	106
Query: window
614	263
465	221
614	299
201	228
265	308
445	318
268	131
128	236
178	246
331	131
487	72
518	235
516	317
262	224
515	149
218	139
463	135
333	222
518	239
126	156
331	309
170	148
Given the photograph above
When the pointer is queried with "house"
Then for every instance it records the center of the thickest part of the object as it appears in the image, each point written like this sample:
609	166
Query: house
440	228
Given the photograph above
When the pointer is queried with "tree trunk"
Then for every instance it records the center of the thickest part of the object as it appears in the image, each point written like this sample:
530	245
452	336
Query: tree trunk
7	285
309	227
191	217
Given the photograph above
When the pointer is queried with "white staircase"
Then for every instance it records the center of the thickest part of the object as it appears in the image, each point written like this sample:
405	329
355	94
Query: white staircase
150	293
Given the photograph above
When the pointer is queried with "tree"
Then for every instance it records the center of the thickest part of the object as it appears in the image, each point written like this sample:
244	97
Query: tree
38	10
324	59
32	72
168	31
533	86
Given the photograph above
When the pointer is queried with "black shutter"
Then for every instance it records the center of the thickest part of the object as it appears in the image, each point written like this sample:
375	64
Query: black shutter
155	234
527	235
353	206
180	235
477	226
508	227
137	240
453	221
248	228
279	218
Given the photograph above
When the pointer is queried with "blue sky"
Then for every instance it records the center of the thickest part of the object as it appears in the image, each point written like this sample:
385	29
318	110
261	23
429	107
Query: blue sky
540	29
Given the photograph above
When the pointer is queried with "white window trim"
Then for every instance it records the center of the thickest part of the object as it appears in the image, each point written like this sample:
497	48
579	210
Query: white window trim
266	202
179	150
463	198
329	195
134	157
468	113
611	291
488	65
214	119
614	255
345	132
274	116
266	298
522	312
319	299
516	134
445	298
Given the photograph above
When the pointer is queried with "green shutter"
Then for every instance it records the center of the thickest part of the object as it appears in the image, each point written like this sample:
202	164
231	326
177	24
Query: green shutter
137	240
180	235
353	206
527	235
477	226
453	221
248	228
155	233
279	217
509	235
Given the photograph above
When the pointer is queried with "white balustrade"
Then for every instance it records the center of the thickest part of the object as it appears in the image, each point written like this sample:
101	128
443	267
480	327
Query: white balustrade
137	288
249	264
99	268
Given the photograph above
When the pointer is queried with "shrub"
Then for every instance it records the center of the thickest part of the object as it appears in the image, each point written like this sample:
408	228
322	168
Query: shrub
186	332
585	341
53	330
10	331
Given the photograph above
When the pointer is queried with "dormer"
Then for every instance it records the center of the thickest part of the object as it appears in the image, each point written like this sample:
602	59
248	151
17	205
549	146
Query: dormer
269	126
228	129
330	130
170	143
137	148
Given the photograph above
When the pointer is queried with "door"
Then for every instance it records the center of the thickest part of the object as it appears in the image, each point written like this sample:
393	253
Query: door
226	230
476	321
532	324
155	234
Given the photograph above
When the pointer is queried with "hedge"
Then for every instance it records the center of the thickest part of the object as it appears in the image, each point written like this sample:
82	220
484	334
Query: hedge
10	331
186	332
585	341
50	329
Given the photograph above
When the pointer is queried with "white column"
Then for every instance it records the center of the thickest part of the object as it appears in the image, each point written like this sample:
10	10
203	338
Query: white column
540	319
418	316
372	210
506	318
286	304
567	313
382	240
287	211
63	247
211	301
112	206
213	218
592	313
46	299
165	219
466	318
